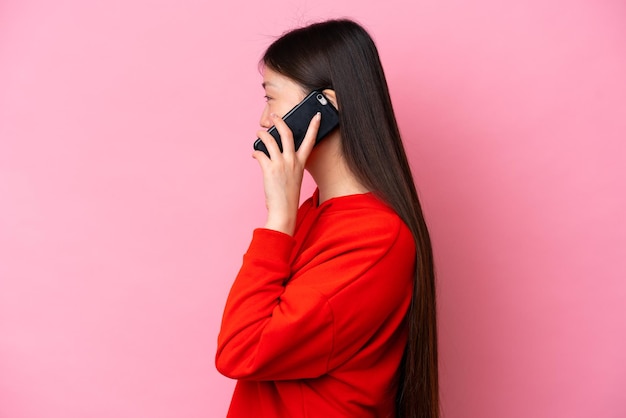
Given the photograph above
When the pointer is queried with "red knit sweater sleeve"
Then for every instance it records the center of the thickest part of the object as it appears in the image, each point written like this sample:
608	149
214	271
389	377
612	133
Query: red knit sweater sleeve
277	326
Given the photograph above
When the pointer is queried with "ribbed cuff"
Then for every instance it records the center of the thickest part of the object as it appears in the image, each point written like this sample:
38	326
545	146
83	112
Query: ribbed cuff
271	245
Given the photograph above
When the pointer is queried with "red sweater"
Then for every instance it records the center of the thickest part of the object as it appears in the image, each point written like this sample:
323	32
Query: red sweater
314	325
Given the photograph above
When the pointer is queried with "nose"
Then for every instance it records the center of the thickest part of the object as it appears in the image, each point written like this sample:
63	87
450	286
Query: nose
265	121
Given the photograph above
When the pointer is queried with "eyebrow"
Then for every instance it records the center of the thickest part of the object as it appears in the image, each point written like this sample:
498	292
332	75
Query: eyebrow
267	83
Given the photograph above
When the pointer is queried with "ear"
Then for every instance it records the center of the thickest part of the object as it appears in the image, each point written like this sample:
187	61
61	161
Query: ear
330	94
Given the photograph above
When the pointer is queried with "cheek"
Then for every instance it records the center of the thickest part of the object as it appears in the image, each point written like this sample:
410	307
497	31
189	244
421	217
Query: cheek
281	109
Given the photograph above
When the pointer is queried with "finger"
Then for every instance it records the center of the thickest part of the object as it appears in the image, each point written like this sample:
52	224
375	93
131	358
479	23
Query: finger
286	136
270	143
264	161
309	138
261	157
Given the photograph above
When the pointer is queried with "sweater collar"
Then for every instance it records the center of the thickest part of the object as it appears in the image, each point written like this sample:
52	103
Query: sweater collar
345	202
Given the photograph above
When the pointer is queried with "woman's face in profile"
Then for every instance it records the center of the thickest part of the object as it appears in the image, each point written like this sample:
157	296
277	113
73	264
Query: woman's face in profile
281	95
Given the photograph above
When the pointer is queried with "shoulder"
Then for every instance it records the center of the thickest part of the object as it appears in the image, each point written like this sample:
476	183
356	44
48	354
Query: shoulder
359	222
353	240
363	216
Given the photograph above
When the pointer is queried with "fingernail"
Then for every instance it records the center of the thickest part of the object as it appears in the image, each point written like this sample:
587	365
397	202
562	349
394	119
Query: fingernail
318	116
273	115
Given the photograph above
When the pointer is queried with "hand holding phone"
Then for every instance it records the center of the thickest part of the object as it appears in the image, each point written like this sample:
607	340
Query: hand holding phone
298	119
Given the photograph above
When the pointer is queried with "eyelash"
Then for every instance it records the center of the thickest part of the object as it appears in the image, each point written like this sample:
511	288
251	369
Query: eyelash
267	98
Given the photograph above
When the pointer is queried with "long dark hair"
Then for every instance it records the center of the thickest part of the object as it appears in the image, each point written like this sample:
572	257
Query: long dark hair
340	54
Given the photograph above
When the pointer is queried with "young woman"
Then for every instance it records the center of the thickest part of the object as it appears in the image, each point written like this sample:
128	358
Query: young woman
333	311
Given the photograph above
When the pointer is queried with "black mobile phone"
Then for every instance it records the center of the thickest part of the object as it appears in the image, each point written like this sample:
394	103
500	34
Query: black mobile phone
299	118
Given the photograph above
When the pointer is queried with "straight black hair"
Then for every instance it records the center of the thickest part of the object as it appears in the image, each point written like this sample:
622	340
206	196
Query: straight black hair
341	55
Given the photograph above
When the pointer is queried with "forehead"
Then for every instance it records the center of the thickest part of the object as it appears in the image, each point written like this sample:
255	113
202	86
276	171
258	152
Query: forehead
271	78
275	80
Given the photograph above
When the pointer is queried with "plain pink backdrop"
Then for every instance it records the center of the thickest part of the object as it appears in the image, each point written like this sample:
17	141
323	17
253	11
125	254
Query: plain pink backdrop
128	195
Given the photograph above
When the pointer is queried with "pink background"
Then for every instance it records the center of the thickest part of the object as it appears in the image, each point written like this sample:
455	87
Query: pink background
128	195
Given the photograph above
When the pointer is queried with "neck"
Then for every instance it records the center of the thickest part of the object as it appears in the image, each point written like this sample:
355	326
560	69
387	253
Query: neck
330	171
